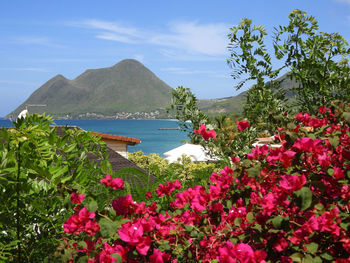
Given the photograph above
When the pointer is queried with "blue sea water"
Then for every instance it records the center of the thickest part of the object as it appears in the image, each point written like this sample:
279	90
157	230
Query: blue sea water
152	139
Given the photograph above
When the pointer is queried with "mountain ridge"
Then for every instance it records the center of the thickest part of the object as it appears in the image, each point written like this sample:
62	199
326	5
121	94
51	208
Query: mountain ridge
127	86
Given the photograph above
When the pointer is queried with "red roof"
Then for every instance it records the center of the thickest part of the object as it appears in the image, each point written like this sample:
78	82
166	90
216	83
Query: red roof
107	136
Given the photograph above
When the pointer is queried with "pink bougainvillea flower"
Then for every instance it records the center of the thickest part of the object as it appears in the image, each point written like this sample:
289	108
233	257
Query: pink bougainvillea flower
292	182
115	183
235	159
143	245
242	125
338	173
123	205
131	233
106	181
148	195
204	133
159	256
230	253
77	198
281	244
304	144
324	160
91	228
286	158
168	188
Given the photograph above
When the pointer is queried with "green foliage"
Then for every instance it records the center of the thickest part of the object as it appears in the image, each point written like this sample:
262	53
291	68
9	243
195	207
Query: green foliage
318	62
126	87
184	102
186	171
38	170
137	182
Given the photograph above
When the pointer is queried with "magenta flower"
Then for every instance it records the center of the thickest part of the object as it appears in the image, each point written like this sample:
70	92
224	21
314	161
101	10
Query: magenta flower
115	183
131	233
77	198
292	182
235	159
123	205
159	256
242	125
206	135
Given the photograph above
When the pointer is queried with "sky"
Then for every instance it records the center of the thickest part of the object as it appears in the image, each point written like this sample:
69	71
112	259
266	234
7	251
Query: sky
183	42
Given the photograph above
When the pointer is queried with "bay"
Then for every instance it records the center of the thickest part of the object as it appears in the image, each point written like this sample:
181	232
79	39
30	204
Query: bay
152	139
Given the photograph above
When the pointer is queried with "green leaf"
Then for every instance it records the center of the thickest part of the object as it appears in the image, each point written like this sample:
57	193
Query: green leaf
237	221
330	171
254	171
346	116
107	228
118	257
188	228
82	259
280	222
304	198
92	206
317	259
312	247
250	217
334	141
308	259
296	257
326	256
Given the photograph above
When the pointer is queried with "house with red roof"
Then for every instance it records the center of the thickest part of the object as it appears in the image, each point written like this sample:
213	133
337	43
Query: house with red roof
117	143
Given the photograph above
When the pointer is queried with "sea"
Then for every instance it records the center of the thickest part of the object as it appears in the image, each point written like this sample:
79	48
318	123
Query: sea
153	139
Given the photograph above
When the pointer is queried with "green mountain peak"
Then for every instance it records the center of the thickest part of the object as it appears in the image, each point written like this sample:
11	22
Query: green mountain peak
127	86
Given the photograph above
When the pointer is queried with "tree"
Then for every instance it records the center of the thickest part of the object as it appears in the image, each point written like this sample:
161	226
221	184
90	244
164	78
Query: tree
184	103
317	61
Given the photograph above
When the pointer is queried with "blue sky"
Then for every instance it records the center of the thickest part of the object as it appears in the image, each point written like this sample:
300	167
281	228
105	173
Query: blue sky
182	42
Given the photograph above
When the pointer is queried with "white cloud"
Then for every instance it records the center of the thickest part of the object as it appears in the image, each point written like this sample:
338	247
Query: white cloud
23	83
41	41
184	71
109	30
192	38
208	39
115	37
343	1
24	69
139	57
109	26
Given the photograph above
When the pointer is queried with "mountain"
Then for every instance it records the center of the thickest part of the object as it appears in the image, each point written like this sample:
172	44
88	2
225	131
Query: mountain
125	87
235	104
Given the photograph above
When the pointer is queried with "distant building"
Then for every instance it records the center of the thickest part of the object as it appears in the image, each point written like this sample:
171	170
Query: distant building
117	149
117	143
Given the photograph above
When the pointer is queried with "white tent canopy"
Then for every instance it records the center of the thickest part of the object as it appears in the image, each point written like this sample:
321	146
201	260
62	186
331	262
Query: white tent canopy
195	152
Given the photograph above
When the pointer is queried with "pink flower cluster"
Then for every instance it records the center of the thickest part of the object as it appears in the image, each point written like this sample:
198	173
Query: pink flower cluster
115	183
279	205
168	188
82	221
242	125
206	135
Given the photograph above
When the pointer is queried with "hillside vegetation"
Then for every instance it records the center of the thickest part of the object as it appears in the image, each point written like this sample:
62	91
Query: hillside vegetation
126	87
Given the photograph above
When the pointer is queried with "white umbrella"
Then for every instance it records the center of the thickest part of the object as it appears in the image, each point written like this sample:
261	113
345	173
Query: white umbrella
195	152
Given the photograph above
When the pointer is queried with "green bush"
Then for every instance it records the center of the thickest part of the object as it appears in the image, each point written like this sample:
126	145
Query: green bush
38	171
186	171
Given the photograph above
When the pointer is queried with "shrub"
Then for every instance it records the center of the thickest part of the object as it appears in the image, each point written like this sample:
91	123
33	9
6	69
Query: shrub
186	171
37	169
278	205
